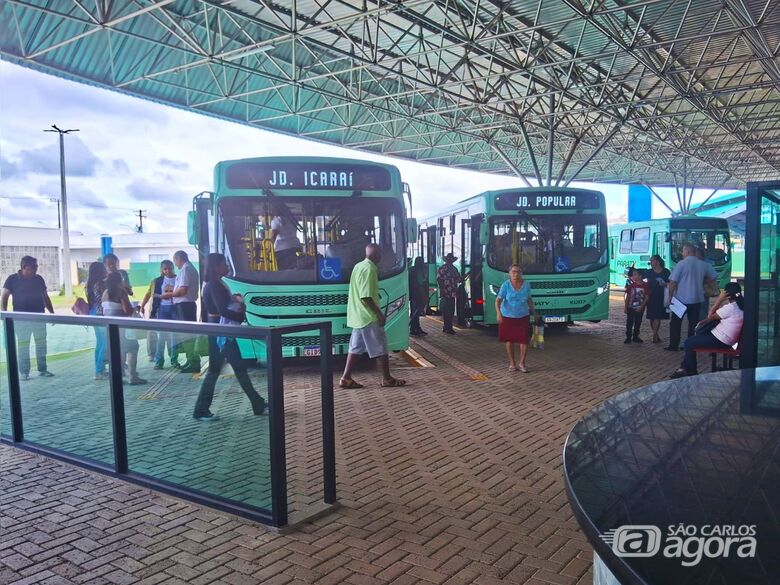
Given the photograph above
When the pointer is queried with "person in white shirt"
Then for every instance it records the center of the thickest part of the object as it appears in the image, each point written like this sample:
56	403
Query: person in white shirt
185	297
728	312
284	231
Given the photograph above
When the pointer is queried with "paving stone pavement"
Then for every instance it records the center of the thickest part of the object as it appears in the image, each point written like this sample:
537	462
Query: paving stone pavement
449	480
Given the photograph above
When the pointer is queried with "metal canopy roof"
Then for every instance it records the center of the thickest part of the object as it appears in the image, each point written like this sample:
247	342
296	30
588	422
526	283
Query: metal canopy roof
657	91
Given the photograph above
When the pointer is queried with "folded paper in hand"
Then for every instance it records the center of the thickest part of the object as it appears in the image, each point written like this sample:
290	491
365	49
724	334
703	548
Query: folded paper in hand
677	307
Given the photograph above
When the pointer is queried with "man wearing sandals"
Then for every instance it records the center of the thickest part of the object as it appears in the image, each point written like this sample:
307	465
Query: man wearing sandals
366	320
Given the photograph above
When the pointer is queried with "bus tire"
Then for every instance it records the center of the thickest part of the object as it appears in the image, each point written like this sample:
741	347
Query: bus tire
594	320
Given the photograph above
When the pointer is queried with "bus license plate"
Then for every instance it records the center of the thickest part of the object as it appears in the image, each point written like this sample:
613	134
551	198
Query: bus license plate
555	319
311	350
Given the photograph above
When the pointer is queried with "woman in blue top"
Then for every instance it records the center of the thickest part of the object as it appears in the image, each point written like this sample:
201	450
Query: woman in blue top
513	307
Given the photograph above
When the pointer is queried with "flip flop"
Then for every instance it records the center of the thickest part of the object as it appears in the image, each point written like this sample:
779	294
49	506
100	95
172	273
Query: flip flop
349	384
392	383
522	369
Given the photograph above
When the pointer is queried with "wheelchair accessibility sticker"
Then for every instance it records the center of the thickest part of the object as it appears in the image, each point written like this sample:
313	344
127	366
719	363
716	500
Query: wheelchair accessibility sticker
329	268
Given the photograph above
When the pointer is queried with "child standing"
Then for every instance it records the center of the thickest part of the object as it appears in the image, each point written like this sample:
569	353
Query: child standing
637	295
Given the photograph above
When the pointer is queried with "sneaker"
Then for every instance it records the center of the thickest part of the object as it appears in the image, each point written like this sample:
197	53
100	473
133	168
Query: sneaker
636	339
24	377
100	376
210	417
190	369
158	365
45	374
628	340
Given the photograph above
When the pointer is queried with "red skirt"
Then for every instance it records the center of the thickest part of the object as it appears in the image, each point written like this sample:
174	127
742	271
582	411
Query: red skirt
514	330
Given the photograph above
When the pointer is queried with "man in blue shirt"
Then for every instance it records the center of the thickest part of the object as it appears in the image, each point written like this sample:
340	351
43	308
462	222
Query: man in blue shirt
686	284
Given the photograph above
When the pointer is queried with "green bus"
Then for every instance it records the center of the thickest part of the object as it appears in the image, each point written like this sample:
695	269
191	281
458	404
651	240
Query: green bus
324	211
633	244
558	235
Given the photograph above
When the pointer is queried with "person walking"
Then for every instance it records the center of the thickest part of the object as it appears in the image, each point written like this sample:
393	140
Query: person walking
418	295
686	284
514	305
28	290
95	288
184	297
636	299
366	320
116	303
162	309
448	278
728	313
658	280
221	307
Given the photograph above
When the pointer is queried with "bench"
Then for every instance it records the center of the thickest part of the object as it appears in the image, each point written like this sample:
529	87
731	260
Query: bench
728	353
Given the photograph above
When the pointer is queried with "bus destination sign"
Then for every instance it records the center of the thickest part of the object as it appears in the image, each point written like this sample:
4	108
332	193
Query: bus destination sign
549	200
304	176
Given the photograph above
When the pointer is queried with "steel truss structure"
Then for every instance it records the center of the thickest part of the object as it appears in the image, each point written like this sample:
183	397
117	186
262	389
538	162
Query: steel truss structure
667	92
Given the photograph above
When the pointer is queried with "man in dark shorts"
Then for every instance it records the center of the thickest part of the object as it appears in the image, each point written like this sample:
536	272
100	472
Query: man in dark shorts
29	294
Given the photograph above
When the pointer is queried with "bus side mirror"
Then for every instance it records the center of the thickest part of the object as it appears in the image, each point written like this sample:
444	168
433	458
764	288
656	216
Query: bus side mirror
193	228
484	233
411	230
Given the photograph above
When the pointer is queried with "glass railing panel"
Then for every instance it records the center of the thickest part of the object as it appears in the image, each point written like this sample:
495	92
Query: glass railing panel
170	433
65	393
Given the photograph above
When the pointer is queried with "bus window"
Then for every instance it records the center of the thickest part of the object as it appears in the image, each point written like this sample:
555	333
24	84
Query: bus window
423	247
625	242
715	242
322	228
658	243
640	242
547	244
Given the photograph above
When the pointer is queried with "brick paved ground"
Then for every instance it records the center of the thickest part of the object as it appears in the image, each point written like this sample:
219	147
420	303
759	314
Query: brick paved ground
454	479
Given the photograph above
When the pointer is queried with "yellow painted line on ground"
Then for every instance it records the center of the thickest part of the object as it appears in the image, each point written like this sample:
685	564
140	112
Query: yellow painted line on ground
447	358
416	359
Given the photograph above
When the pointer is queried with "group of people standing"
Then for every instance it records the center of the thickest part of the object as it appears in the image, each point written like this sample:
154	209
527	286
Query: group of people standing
174	296
448	279
662	295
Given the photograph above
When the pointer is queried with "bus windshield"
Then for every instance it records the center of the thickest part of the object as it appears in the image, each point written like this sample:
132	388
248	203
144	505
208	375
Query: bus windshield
548	244
715	243
299	240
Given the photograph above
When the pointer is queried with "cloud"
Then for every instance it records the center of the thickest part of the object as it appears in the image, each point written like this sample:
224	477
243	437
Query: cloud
9	169
174	164
45	160
120	166
163	195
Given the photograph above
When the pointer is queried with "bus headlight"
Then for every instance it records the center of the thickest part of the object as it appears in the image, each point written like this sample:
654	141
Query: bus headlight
395	306
602	289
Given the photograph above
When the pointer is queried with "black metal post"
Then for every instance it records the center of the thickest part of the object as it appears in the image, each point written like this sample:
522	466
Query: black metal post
328	415
116	365
273	344
14	396
749	350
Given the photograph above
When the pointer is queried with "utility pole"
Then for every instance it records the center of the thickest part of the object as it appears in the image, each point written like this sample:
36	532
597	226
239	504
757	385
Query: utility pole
59	218
64	224
141	216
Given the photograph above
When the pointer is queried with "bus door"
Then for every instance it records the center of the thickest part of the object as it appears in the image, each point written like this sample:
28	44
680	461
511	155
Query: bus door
472	304
475	262
431	256
659	248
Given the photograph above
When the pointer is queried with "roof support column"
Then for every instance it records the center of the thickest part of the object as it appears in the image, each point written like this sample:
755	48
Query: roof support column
530	150
565	166
657	196
593	154
685	185
550	136
509	163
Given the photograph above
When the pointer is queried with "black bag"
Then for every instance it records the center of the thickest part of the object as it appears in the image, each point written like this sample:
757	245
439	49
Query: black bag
706	327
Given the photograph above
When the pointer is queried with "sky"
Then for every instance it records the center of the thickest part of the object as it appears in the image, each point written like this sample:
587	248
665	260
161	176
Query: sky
132	154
